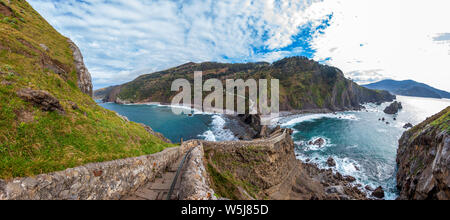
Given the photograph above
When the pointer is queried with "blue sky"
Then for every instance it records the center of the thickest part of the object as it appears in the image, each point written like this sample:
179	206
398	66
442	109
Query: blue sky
122	39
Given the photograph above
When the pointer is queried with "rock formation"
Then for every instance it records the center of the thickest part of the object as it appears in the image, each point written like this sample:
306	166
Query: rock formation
42	99
394	108
424	160
84	77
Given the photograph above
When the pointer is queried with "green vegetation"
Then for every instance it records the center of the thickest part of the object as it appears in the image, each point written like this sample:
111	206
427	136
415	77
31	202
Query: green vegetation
231	174
304	84
34	142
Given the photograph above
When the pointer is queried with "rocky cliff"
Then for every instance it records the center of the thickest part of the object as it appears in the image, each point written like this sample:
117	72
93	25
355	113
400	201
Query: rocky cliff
305	84
48	120
424	160
267	169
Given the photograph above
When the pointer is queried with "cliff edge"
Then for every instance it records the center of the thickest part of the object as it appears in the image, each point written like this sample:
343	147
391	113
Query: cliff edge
424	160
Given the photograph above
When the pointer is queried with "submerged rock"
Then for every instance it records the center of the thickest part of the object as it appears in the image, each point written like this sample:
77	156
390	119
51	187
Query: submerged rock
408	125
319	142
394	108
331	162
378	193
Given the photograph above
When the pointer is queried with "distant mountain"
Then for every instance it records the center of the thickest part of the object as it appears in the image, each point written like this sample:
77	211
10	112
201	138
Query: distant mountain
409	88
304	84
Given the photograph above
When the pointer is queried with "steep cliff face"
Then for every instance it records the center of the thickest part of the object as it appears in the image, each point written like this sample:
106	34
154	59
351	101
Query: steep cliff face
304	84
84	81
424	160
48	120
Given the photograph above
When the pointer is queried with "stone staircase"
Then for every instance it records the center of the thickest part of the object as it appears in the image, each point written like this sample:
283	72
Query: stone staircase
159	188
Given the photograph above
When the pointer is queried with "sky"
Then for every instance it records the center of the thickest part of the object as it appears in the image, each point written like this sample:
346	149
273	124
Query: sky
369	40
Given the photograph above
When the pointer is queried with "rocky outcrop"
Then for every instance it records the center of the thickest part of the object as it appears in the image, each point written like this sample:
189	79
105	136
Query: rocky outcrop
423	160
41	99
156	134
84	77
393	108
408	125
378	193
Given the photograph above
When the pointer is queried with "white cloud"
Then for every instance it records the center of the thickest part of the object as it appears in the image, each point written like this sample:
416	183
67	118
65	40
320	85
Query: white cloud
398	39
368	39
120	37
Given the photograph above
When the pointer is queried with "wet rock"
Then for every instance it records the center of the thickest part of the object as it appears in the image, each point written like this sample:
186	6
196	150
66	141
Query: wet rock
369	188
331	162
394	108
350	179
378	193
335	189
42	99
319	142
408	125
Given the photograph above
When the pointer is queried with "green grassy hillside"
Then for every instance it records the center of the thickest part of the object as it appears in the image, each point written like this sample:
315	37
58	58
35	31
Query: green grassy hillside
32	141
304	84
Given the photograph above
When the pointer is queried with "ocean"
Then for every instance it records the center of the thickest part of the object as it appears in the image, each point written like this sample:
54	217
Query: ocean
361	144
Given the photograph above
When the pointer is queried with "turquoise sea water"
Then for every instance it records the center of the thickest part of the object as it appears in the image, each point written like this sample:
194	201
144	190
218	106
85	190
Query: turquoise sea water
361	145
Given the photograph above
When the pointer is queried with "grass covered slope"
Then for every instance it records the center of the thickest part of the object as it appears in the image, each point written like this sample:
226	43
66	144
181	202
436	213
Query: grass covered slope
32	141
304	84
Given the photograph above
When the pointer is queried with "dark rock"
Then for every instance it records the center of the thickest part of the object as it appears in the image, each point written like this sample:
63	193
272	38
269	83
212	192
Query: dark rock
319	142
383	119
394	108
388	123
350	179
331	162
378	193
408	125
369	188
41	99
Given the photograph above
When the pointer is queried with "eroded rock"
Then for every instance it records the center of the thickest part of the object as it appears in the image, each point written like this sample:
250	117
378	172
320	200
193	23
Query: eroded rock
84	77
378	193
394	108
331	162
41	99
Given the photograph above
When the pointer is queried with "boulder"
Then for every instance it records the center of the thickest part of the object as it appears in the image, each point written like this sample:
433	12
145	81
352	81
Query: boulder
378	193
41	99
331	162
369	188
408	125
319	142
394	108
350	179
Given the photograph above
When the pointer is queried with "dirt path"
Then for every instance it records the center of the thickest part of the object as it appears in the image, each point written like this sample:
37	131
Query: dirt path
158	189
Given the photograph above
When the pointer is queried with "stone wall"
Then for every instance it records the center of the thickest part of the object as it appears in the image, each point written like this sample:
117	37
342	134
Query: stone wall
194	179
97	181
